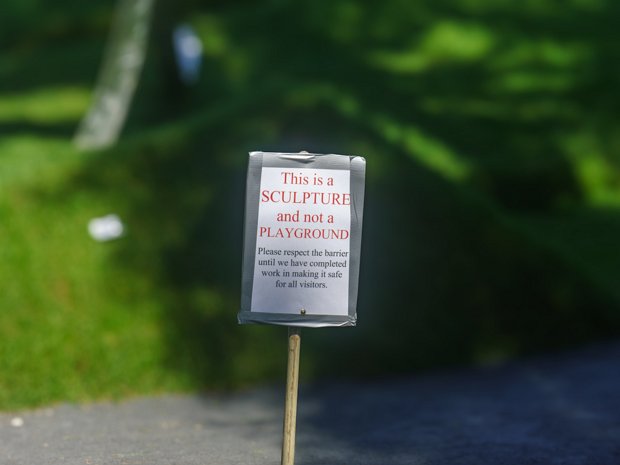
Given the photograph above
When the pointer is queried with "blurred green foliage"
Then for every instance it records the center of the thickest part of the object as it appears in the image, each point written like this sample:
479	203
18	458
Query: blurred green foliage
492	139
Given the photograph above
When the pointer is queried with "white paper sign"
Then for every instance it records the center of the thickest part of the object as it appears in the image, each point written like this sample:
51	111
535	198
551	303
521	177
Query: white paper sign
302	239
302	246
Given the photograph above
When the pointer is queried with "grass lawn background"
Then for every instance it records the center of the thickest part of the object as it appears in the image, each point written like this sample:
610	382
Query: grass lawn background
493	190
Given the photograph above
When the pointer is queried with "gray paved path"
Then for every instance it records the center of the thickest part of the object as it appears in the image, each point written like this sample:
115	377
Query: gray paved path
559	409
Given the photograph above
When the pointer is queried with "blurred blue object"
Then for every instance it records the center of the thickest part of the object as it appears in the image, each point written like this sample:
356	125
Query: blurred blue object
188	53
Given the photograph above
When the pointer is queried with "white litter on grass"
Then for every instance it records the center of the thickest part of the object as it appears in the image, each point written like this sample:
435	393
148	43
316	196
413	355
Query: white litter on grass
17	422
106	228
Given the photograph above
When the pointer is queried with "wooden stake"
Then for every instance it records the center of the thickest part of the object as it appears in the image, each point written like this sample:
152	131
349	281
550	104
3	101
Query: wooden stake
290	406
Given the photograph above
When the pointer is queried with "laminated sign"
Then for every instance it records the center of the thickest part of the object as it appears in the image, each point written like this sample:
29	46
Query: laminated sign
303	229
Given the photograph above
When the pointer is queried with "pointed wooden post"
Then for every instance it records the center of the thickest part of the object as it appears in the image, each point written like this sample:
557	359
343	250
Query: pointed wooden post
290	406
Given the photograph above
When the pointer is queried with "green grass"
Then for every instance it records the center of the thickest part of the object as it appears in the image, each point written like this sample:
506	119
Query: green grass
49	105
68	331
80	321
